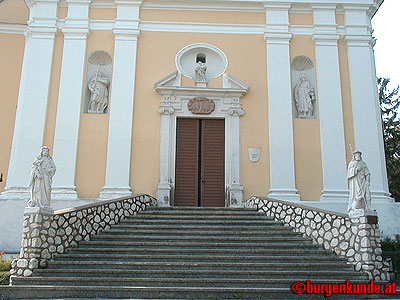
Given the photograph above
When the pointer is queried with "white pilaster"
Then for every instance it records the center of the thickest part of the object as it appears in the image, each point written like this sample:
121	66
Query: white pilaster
30	120
333	147
365	102
70	97
280	112
118	164
164	189
235	190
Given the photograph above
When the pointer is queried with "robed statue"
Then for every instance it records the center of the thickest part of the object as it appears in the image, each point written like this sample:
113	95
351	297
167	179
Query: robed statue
304	96
201	72
358	177
43	170
98	88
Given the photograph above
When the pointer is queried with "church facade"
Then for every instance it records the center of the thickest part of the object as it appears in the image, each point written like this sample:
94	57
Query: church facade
199	103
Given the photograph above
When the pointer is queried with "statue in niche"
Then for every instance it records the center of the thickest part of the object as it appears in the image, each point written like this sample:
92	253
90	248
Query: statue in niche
98	88
304	96
358	177
43	170
201	71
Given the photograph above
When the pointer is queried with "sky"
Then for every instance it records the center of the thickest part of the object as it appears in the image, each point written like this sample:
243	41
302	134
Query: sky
386	25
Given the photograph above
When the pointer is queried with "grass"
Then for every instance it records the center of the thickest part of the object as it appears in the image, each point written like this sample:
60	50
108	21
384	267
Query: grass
391	249
5	267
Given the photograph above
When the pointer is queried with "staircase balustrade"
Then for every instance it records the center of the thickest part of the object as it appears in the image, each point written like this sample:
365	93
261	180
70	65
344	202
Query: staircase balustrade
47	233
357	238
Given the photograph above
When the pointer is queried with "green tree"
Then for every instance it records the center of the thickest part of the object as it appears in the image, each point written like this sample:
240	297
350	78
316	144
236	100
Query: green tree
390	103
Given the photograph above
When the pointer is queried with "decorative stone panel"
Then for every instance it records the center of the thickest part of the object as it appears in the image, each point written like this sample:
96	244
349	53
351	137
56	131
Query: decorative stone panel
45	234
356	239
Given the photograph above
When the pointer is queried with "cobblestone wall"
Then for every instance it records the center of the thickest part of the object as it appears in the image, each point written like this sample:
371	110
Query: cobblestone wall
46	233
356	239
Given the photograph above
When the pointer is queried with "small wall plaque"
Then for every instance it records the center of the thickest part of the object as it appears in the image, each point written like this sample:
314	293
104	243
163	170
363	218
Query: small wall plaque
201	105
254	154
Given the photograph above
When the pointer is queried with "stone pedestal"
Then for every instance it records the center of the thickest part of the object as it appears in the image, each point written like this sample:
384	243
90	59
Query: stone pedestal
34	252
367	245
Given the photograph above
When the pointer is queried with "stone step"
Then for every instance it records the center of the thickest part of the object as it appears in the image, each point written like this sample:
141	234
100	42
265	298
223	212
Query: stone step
112	292
202	212
213	273
189	232
207	209
194	258
206	239
178	221
203	217
195	244
312	252
178	265
167	282
203	227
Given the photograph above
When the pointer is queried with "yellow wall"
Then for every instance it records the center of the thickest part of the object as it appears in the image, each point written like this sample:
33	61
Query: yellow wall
14	11
155	59
300	19
93	132
346	98
202	16
307	142
53	94
11	57
102	13
248	65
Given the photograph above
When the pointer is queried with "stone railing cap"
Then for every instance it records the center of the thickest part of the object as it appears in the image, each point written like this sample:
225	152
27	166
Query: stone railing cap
304	206
96	204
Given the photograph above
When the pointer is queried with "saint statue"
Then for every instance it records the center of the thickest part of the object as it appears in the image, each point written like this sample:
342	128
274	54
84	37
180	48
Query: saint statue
201	71
43	170
358	178
304	95
98	88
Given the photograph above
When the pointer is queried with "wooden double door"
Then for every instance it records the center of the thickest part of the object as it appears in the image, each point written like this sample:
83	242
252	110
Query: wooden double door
200	162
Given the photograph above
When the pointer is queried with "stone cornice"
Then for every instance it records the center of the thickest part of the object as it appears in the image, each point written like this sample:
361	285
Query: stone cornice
210	92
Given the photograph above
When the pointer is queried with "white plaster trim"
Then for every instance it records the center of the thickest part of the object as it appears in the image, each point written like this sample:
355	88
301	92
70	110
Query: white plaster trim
227	106
13	28
16	193
161	26
210	48
115	192
64	193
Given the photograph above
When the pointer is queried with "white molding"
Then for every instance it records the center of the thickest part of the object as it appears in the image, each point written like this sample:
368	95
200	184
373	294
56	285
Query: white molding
172	79
207	49
160	26
227	106
13	28
70	96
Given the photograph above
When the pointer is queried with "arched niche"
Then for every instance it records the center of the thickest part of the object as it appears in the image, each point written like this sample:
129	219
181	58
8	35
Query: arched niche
98	81
303	87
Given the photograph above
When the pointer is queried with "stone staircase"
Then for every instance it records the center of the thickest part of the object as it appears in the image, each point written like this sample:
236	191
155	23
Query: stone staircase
188	253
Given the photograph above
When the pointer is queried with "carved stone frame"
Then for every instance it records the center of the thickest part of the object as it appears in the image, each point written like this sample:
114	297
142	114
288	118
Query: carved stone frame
228	106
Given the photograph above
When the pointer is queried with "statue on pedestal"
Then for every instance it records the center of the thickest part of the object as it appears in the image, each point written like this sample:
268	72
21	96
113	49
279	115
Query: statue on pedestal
304	95
358	177
43	170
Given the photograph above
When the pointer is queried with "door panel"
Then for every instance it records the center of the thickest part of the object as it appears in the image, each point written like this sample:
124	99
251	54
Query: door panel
213	163
187	153
200	162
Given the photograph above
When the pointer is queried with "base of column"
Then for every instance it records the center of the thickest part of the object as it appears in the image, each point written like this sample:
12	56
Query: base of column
64	193
235	196
335	196
115	192
164	194
16	193
381	197
284	194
